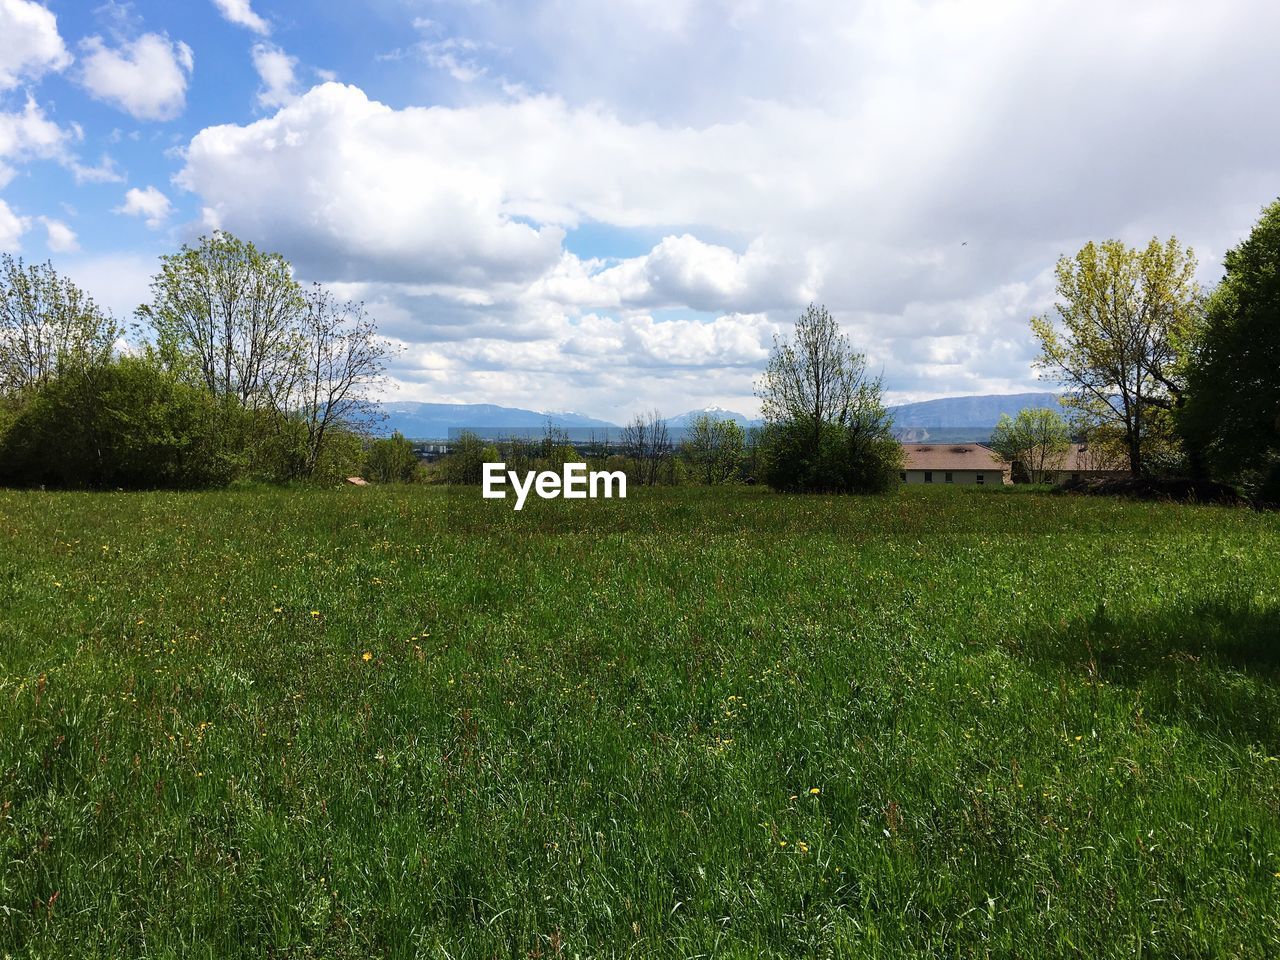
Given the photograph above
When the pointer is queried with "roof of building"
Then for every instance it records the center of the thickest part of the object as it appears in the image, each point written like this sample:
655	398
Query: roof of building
1081	458
950	456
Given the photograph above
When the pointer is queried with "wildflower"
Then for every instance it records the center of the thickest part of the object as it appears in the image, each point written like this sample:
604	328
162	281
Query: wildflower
814	791
802	846
315	613
366	656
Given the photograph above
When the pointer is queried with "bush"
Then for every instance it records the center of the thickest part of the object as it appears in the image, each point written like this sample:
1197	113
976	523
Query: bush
124	424
847	460
391	460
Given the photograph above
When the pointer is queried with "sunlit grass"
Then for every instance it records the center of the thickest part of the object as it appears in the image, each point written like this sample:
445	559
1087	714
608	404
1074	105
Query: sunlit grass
405	722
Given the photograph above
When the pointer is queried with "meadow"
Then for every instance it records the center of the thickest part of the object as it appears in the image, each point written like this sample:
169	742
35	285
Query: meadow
405	722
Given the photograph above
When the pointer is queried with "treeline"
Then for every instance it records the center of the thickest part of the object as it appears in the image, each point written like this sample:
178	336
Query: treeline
826	431
234	372
1165	378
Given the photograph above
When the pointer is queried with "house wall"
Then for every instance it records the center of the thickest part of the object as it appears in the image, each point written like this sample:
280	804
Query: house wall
959	478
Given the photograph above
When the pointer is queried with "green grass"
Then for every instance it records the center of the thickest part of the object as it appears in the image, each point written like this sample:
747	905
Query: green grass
938	723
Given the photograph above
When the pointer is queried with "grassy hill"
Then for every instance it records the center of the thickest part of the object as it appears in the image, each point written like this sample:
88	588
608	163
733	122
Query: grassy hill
408	722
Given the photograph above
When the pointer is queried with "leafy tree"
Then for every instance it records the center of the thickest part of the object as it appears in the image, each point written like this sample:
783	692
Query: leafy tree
1233	408
1127	324
125	423
467	456
1038	439
714	448
391	460
227	315
827	429
47	325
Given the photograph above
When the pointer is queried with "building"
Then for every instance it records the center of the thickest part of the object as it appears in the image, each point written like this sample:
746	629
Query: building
960	464
1082	462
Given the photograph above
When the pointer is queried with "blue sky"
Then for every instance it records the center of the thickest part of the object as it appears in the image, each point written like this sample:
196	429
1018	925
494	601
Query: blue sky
608	207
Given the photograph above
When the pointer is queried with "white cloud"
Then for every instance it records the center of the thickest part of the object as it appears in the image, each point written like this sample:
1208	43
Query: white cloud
240	12
30	135
146	77
149	203
59	237
276	69
31	46
12	227
763	155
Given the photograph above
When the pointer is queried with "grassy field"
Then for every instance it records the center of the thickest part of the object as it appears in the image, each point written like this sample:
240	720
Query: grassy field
409	723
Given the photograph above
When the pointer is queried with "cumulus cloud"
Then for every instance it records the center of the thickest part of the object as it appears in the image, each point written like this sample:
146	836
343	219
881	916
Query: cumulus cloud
146	77
29	134
240	12
916	166
150	204
59	237
12	227
277	72
32	45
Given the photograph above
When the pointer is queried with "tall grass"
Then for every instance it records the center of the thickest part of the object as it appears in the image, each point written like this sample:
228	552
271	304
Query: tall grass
412	723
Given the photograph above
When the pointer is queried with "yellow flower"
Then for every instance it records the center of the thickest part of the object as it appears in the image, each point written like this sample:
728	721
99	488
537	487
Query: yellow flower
315	613
366	656
802	846
814	791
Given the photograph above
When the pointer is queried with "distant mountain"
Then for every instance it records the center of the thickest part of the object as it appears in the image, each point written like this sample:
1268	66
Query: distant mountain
434	421
720	413
951	419
968	412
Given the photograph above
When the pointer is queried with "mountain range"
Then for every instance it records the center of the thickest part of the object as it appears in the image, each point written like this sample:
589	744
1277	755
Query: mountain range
951	419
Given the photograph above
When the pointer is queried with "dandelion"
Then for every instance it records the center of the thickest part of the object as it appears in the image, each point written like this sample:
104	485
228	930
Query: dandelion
814	791
315	613
802	846
366	656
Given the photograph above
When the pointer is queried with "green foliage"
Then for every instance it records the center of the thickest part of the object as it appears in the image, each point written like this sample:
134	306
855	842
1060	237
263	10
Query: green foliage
125	424
1037	440
1233	410
466	459
1127	323
713	448
48	326
827	427
391	460
846	460
1038	726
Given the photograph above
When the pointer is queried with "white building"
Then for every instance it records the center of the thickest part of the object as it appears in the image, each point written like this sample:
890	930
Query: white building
960	464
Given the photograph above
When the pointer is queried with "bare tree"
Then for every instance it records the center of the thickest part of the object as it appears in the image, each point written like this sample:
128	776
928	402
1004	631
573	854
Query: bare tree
342	360
816	378
47	324
647	442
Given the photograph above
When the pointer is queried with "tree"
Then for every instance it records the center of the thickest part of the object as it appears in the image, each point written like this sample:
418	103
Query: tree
227	315
1038	439
714	448
47	325
647	442
827	429
1232	412
342	359
391	460
1127	323
123	423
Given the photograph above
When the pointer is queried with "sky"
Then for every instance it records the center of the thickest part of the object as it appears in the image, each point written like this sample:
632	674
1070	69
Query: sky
614	207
